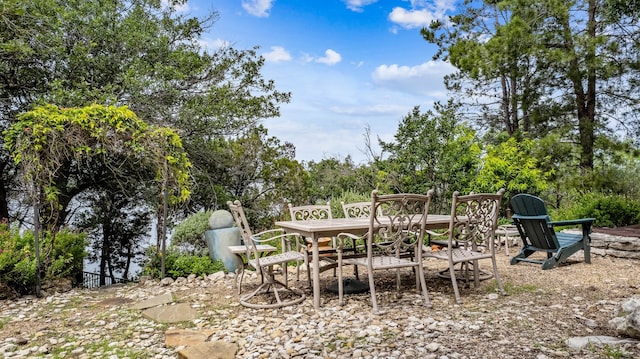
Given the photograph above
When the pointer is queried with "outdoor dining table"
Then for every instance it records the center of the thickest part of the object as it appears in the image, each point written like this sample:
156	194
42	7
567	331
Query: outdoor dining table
315	229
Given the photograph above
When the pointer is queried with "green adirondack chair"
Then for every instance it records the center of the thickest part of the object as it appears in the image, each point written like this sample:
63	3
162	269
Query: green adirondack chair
538	235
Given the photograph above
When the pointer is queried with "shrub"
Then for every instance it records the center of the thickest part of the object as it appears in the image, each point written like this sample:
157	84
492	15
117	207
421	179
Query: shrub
188	235
63	259
608	210
179	264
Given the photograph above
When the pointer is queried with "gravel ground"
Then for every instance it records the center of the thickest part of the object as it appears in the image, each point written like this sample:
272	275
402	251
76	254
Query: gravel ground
541	311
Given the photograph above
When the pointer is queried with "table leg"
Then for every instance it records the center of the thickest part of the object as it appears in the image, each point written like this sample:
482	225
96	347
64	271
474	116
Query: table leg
316	272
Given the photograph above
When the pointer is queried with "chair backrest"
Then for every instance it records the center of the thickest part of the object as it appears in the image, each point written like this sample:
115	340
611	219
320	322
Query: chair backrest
474	219
357	209
533	222
397	223
316	211
245	231
528	205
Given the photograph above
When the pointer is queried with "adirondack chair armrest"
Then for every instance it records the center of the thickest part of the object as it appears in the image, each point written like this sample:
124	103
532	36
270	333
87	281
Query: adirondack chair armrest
585	223
573	222
517	216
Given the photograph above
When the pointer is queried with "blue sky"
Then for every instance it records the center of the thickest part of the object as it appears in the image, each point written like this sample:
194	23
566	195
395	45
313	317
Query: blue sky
349	64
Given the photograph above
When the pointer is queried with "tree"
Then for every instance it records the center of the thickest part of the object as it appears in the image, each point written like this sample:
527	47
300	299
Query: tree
116	227
560	40
140	53
330	177
254	168
511	166
431	150
53	145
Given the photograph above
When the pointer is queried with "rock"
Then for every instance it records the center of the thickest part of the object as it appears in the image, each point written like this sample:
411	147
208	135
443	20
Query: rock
217	276
578	343
629	323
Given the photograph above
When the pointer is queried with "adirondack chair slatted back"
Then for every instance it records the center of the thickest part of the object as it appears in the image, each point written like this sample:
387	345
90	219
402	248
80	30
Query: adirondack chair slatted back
532	220
537	231
528	205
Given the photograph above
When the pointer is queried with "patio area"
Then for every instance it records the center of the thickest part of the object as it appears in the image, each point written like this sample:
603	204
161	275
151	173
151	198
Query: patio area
542	310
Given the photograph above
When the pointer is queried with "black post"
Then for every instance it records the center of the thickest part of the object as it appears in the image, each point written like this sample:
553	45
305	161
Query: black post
165	204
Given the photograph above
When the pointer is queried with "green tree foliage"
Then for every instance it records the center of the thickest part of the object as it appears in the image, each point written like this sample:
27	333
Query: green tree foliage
254	168
558	65
431	150
331	177
144	54
96	149
116	227
510	165
54	145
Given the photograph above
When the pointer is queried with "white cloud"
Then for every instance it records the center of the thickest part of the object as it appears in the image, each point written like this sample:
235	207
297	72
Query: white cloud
424	79
357	5
421	13
277	54
410	19
259	8
330	58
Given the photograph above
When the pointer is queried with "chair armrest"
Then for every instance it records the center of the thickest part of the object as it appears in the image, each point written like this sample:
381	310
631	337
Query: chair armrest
517	216
270	232
573	222
287	239
341	237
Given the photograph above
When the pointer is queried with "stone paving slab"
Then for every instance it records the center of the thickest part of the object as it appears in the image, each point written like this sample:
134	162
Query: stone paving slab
181	312
209	350
186	337
165	298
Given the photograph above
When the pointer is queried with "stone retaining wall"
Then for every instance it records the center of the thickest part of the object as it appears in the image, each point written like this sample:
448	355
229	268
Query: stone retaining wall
615	246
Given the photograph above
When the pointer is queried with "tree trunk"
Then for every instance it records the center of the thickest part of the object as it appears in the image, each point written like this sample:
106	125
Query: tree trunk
585	100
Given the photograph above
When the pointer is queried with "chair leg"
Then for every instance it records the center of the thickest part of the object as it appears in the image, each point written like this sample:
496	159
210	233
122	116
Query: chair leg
239	286
274	287
587	252
372	289
476	274
423	285
340	284
497	276
454	282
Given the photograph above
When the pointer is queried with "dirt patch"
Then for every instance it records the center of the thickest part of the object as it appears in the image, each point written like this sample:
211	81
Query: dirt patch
627	231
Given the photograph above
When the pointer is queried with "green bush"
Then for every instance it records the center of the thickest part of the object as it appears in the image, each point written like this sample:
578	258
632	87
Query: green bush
608	210
63	259
188	235
178	264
